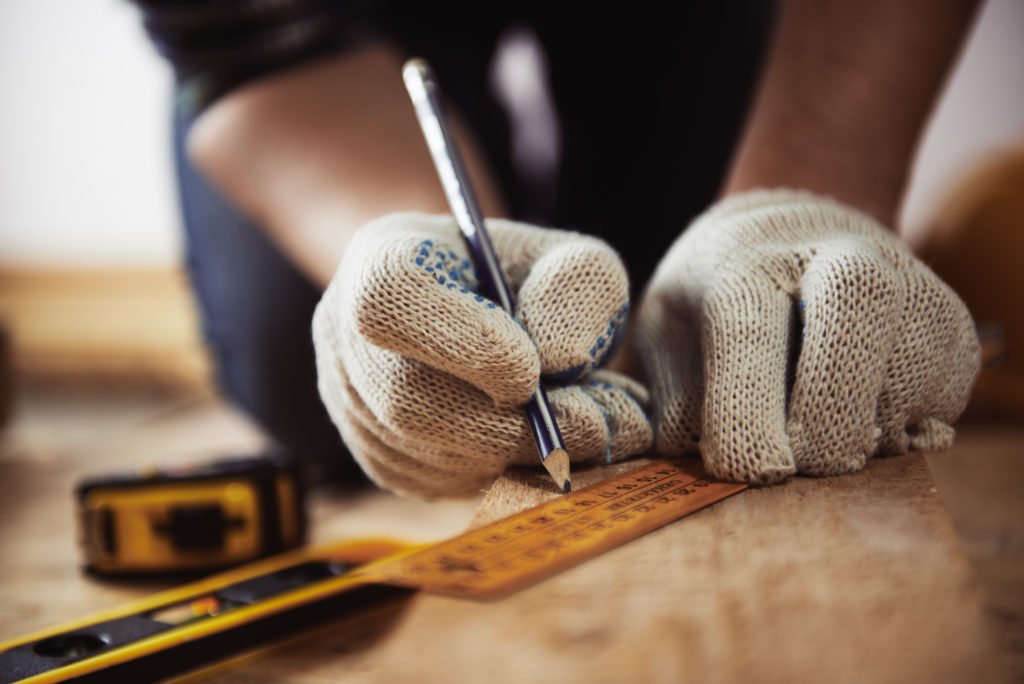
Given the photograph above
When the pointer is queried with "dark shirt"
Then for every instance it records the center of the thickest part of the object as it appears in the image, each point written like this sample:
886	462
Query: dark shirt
650	96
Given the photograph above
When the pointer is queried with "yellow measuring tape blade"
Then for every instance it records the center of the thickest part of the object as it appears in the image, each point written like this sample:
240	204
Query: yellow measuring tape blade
500	558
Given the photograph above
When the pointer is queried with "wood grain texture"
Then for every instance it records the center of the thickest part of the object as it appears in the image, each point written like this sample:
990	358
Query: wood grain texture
852	579
982	484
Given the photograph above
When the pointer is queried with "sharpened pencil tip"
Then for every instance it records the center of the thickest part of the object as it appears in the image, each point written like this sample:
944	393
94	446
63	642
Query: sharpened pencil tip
557	465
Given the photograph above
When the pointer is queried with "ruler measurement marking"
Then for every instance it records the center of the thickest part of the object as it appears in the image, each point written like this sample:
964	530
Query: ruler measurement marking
572	527
445	569
513	546
508	554
616	521
542	522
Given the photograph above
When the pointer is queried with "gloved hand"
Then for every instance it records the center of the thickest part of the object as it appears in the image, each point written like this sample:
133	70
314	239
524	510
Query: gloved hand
426	379
776	292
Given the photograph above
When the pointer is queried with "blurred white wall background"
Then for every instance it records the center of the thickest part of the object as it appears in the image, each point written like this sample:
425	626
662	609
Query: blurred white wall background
85	167
981	112
85	170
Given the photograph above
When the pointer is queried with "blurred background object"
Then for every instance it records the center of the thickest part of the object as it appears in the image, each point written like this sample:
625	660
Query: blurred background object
100	327
976	244
91	285
6	375
980	115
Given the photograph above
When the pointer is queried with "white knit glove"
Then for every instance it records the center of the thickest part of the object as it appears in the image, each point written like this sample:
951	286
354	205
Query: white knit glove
881	354
426	379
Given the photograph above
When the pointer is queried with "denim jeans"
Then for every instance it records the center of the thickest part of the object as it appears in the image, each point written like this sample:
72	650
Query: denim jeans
256	310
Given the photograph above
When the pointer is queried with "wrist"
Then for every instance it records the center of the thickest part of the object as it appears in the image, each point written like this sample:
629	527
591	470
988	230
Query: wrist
838	176
846	90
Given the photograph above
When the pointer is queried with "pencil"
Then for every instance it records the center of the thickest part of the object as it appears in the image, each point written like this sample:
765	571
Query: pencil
425	95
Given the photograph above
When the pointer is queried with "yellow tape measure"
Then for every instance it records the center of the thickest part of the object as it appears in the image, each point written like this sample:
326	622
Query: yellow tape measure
178	630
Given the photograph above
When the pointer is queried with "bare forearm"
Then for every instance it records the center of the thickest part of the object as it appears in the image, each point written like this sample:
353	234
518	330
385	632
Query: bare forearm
846	90
314	153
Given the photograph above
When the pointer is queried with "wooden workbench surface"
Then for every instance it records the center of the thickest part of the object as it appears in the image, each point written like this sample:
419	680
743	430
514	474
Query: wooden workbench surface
858	578
846	579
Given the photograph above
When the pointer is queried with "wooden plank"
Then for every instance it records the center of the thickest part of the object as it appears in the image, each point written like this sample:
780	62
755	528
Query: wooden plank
857	578
981	480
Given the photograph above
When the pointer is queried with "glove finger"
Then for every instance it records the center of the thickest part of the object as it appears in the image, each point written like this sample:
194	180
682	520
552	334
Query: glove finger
392	461
931	434
394	470
668	345
572	295
440	422
622	402
430	410
461	462
852	299
519	245
359	428
933	366
435	435
634	389
745	355
598	420
410	292
434	417
477	439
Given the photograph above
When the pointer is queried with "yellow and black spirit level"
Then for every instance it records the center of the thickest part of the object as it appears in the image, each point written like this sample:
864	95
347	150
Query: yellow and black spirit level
175	631
191	518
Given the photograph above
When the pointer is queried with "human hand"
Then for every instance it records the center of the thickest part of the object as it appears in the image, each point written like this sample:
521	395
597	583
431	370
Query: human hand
772	293
425	379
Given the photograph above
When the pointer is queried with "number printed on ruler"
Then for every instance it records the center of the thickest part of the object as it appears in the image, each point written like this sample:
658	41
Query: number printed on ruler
506	555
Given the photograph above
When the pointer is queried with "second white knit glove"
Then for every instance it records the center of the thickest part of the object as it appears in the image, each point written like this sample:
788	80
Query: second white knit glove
784	332
425	379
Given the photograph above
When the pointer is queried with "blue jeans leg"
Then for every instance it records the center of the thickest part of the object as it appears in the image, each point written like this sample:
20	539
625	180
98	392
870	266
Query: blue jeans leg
256	310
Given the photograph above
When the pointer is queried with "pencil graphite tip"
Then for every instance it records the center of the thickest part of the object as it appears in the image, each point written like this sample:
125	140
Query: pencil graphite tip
557	465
